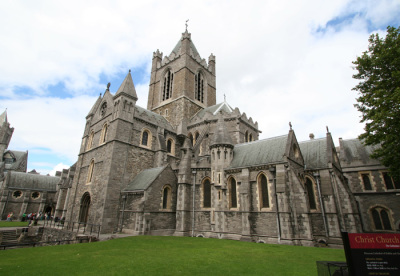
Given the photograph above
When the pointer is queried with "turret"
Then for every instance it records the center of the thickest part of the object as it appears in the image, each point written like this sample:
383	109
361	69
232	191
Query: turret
5	132
125	99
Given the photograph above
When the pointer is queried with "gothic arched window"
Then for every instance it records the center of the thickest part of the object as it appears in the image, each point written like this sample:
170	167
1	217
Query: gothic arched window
381	219
206	193
246	136
199	87
232	193
166	199
103	135
310	193
90	141
145	139
263	190
90	172
171	146
167	85
366	181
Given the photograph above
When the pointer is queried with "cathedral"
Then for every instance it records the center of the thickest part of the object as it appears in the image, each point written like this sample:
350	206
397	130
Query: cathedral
188	166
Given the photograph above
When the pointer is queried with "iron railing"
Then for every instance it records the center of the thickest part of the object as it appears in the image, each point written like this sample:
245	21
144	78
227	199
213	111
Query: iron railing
78	227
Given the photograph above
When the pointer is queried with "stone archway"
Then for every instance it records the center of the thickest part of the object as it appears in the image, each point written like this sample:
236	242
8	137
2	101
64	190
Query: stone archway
84	209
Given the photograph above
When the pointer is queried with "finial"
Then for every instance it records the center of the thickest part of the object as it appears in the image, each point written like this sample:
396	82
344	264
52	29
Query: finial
100	94
108	86
129	70
327	129
290	125
186	24
224	98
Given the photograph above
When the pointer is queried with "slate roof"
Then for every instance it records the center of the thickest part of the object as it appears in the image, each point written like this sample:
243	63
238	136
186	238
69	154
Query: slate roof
314	153
259	152
32	181
152	117
144	179
224	106
353	150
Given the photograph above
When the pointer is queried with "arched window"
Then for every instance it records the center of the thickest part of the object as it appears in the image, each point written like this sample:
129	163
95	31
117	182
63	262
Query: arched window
207	193
263	190
310	193
199	87
246	136
389	182
366	181
381	219
146	138
90	172
166	197
90	141
232	193
103	135
250	137
167	85
84	208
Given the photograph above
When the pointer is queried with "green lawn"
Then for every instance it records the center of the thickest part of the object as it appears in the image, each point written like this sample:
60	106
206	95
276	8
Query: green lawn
149	255
13	223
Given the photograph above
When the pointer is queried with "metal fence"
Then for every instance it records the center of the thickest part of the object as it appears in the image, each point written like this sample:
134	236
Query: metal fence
78	227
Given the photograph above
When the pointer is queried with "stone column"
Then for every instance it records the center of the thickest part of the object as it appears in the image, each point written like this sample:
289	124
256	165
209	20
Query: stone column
58	211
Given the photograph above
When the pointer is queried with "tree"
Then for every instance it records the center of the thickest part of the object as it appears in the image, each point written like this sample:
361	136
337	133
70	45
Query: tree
379	97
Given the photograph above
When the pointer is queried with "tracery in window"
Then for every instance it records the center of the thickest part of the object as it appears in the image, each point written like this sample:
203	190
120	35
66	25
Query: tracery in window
263	191
17	194
389	181
35	195
207	193
199	87
167	85
310	193
381	219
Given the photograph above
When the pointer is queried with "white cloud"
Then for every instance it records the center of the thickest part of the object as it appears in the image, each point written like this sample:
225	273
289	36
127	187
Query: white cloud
271	61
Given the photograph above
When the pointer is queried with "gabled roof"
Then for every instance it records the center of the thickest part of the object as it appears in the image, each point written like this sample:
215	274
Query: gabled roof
314	153
152	117
95	106
221	135
127	87
214	109
259	152
32	181
144	179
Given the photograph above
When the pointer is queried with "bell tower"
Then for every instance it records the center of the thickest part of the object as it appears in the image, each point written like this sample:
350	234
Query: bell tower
182	83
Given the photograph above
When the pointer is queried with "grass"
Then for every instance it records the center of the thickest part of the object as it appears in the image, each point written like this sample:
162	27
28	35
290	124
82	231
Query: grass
149	255
13	223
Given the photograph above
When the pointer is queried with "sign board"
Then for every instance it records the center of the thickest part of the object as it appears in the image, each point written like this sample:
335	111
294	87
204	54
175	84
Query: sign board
372	254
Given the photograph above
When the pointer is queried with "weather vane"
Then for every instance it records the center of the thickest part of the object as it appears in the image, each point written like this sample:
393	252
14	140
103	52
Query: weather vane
186	24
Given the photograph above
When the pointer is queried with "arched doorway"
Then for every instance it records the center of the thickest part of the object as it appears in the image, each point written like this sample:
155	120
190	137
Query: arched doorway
84	210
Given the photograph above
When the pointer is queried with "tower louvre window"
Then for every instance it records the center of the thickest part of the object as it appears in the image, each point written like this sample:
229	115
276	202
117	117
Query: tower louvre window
199	87
381	219
367	182
167	87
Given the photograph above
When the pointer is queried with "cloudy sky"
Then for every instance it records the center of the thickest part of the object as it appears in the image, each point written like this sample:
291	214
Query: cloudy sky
276	60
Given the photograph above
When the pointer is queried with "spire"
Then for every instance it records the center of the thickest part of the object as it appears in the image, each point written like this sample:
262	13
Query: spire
127	87
3	117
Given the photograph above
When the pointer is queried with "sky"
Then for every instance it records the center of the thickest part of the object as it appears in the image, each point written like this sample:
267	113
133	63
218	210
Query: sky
279	61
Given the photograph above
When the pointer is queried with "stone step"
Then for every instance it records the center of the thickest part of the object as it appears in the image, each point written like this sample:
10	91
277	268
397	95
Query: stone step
9	237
